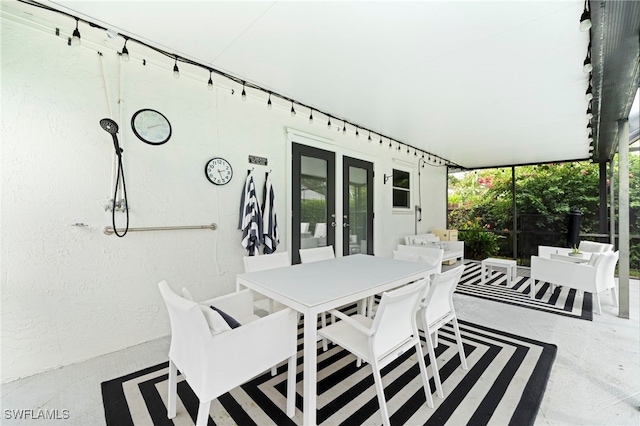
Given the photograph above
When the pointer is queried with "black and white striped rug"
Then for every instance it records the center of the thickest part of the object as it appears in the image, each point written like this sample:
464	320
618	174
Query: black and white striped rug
562	301
504	385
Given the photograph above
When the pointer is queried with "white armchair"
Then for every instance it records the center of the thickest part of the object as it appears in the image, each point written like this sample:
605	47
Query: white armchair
594	277
214	361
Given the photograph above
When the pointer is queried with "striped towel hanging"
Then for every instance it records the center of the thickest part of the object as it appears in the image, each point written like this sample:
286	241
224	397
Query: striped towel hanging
269	220
250	220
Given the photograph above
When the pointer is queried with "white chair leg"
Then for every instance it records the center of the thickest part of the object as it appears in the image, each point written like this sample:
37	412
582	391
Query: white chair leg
291	387
423	374
614	296
380	391
596	303
434	367
323	321
463	358
435	338
171	405
203	413
274	371
370	303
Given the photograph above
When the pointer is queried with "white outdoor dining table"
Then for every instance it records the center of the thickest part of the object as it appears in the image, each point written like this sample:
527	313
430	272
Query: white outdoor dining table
316	287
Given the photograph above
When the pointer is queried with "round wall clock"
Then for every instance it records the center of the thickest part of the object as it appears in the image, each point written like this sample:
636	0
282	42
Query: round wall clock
151	127
218	171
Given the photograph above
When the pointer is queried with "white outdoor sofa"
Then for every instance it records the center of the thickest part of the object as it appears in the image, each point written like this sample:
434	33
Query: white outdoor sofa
453	250
584	247
595	276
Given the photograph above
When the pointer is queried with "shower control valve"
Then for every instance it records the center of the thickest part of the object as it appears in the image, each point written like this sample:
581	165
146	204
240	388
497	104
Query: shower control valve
121	205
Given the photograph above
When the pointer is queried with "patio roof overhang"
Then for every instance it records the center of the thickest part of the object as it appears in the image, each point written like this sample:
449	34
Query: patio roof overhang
615	38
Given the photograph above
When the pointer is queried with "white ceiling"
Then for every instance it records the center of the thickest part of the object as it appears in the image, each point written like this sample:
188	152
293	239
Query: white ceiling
480	83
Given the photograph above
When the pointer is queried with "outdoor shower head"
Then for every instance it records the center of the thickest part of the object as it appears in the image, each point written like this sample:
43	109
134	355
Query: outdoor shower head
112	128
109	125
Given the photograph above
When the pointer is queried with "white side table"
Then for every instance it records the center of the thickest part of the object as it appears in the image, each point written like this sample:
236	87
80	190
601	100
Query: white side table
487	268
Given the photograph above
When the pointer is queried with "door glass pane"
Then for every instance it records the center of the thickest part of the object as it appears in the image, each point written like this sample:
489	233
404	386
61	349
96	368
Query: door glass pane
313	202
358	214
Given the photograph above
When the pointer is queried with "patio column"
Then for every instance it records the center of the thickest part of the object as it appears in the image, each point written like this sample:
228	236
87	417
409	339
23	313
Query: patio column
623	213
514	207
602	191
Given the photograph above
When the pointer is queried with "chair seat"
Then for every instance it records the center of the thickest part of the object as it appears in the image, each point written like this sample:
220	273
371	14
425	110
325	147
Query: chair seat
345	335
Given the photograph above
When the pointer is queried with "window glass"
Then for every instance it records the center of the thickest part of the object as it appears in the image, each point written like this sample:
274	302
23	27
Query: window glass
401	189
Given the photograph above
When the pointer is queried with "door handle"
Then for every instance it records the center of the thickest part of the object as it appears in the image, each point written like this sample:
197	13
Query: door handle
333	224
345	225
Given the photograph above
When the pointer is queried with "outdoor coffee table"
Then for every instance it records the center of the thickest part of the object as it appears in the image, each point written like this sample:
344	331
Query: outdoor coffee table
487	268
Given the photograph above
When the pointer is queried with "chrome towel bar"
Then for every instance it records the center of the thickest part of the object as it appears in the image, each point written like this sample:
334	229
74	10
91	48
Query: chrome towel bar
109	229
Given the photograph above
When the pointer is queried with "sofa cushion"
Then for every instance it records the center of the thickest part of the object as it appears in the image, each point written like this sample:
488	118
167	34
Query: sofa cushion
217	324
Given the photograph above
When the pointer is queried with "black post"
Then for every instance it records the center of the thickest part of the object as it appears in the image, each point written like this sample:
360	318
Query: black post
573	229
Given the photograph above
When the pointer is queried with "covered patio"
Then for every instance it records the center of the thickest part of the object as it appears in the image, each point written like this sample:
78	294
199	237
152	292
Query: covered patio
401	92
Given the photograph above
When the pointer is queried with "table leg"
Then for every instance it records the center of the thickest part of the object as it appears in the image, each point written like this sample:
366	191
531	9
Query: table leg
310	369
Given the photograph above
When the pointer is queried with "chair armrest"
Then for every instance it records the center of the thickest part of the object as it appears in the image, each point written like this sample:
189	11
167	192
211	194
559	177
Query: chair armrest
355	324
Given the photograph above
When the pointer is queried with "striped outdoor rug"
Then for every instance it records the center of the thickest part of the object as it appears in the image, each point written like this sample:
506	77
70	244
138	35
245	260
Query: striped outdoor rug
504	385
562	301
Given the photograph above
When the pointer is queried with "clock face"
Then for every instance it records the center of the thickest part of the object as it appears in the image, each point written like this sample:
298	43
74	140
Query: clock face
151	127
218	171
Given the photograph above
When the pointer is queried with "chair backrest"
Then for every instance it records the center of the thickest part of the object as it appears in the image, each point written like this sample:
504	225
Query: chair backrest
268	261
605	269
316	254
438	303
594	247
304	227
189	330
321	230
395	320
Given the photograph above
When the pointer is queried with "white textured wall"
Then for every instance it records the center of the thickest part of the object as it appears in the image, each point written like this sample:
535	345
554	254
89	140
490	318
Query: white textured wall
71	293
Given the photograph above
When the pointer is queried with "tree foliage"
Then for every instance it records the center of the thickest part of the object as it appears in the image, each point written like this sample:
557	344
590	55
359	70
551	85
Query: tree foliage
544	195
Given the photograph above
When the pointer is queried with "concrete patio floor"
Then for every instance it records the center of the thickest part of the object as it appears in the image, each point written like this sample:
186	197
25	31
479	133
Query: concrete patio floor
595	379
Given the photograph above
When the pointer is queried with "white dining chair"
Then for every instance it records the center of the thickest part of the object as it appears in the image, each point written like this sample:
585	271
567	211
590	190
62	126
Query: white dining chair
262	263
383	339
316	254
214	358
320	231
437	310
